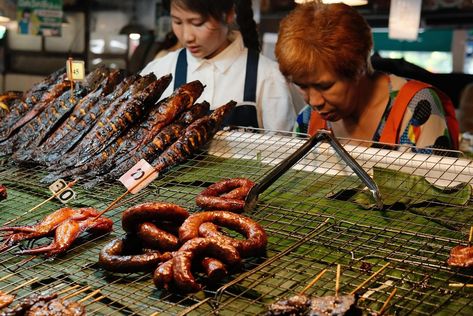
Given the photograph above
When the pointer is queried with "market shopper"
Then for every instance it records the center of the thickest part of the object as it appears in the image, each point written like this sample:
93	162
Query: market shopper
325	50
228	62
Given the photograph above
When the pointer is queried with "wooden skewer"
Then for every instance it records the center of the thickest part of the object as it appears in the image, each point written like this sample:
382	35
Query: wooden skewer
99	298
70	184
385	305
471	236
337	281
311	283
460	285
22	285
89	296
77	293
68	289
6	276
369	279
118	199
154	314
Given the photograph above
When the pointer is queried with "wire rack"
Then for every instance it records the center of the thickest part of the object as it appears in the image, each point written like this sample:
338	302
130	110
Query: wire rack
317	215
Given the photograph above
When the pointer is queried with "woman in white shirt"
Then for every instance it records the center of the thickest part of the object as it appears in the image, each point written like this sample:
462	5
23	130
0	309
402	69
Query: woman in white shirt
228	63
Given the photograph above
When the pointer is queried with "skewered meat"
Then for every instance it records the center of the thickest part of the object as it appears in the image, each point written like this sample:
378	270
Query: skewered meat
45	305
66	223
25	304
196	135
39	92
78	125
461	256
56	307
125	115
342	305
256	241
67	232
121	255
7	100
227	195
33	134
5	299
3	192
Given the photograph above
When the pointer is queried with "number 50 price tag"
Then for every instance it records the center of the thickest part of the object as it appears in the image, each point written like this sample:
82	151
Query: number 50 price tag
139	176
65	195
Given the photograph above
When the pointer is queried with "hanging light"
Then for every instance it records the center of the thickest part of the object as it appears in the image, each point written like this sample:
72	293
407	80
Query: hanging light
349	2
133	27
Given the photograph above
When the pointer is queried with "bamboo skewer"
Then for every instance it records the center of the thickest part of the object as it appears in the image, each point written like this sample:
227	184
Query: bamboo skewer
370	278
68	289
76	293
311	283
22	285
385	305
337	281
471	236
69	185
460	285
89	296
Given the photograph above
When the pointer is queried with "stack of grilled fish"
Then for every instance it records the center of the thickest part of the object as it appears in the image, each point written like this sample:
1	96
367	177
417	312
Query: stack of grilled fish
99	128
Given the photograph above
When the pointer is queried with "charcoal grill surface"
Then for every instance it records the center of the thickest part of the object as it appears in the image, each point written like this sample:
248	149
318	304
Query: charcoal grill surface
309	230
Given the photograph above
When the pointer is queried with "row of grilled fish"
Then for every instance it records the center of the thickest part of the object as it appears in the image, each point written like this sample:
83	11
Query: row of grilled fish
99	128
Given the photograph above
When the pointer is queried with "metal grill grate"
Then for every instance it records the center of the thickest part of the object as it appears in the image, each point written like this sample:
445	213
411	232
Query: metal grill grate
312	218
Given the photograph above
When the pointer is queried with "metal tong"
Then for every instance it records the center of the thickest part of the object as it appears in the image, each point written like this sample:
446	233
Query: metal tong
279	170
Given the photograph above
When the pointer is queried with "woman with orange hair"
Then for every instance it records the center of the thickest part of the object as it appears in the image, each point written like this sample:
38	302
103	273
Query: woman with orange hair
325	49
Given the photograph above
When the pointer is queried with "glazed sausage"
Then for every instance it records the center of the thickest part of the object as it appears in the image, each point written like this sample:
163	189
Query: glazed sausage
214	268
256	238
113	257
3	192
197	247
162	276
228	195
152	212
156	238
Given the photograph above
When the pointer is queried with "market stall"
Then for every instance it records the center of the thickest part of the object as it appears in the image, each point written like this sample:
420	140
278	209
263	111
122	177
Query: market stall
317	215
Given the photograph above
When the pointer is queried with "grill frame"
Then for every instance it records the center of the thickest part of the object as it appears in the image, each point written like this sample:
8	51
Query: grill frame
306	234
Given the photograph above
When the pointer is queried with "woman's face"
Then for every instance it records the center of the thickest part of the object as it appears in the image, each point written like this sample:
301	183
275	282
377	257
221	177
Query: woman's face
204	38
326	93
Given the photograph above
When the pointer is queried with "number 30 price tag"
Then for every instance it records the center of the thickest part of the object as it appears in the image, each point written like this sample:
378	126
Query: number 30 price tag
66	195
139	176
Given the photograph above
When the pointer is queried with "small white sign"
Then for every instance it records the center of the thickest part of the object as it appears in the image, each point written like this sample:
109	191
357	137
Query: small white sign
139	176
66	195
75	69
404	19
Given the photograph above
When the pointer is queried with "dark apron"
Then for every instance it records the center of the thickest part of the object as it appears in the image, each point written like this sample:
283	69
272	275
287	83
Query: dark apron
242	115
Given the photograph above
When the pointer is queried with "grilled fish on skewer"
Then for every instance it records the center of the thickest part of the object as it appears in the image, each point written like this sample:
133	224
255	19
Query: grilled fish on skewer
83	107
105	127
196	135
75	128
7	99
128	114
180	100
161	141
42	91
38	128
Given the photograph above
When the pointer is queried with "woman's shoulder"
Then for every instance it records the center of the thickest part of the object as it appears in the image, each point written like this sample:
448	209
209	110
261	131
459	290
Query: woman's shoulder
269	68
164	64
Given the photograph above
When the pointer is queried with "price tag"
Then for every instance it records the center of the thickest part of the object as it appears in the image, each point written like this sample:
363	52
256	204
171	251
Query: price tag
75	69
139	176
66	195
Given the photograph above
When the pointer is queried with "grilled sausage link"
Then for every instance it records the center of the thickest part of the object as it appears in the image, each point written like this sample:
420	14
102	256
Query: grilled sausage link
227	195
113	257
256	238
198	247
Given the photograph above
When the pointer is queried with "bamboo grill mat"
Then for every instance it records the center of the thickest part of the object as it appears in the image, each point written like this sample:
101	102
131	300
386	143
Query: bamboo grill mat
309	230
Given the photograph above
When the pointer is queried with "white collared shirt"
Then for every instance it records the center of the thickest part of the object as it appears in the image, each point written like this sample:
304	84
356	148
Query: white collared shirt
224	78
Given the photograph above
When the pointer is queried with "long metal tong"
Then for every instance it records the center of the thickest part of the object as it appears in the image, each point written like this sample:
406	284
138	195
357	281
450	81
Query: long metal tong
279	170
